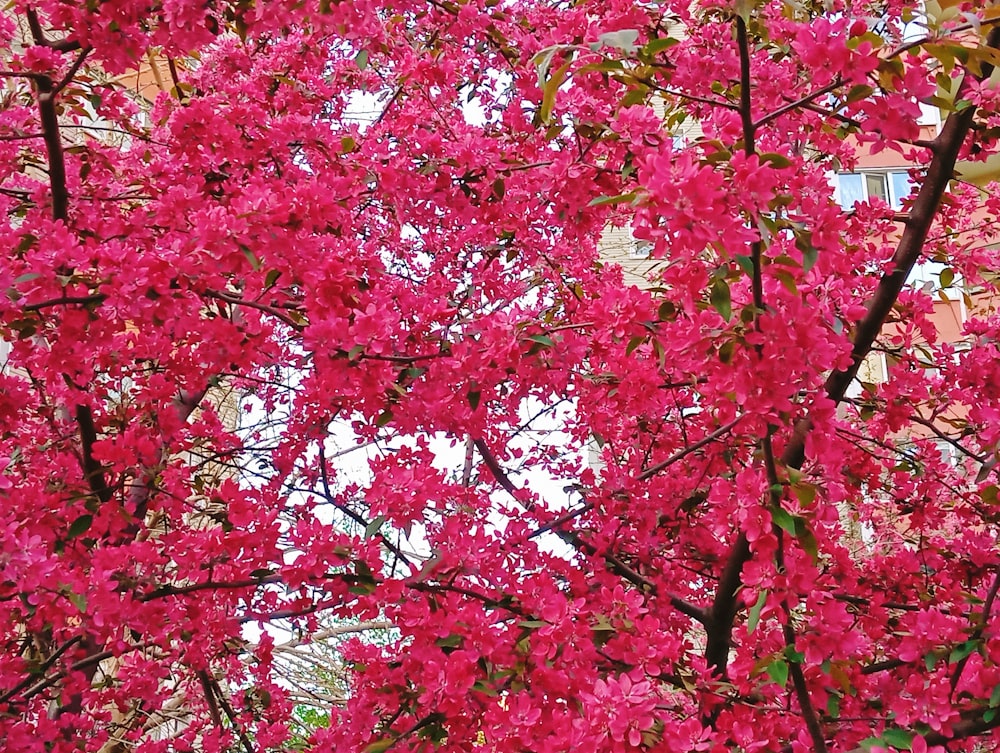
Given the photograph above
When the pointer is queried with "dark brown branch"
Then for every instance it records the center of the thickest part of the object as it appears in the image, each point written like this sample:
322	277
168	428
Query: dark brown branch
692	97
231	714
72	70
22	74
210	585
39	38
70	300
41	670
648	473
37	34
561	520
946	148
883	666
574	539
796	104
93	471
49	119
809	715
858	601
209	691
498	473
970	726
328	495
138	499
89	663
746	113
977	634
172	66
936	431
237	301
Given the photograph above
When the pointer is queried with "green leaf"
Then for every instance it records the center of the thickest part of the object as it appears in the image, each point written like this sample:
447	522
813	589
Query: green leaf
721	299
361	59
726	351
754	616
449	641
634	343
606	66
833	706
746	264
857	93
26	277
793	656
653	46
384	418
930	660
667	311
79	601
532	624
778	671
947	277
995	697
787	279
621	198
808	542
474	396
784	520
271	278
990	494
485	688
542	61
660	351
805	493
898	738
27	241
549	91
374	527
543	340
779	161
79	526
380	746
254	261
962	651
803	242
603	625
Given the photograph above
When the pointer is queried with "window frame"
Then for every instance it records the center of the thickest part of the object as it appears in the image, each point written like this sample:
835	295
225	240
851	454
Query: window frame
892	197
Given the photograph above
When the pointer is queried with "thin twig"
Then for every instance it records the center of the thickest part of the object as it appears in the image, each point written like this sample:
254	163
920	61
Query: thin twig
794	105
72	70
648	473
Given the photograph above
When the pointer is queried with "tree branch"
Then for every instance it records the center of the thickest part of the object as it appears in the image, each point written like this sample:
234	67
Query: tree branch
648	473
946	148
93	471
574	539
795	104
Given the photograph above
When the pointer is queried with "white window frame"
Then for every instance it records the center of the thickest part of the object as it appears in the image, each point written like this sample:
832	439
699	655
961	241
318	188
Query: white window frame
894	196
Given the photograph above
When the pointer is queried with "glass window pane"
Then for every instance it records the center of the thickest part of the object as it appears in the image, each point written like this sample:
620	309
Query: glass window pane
902	187
876	185
851	190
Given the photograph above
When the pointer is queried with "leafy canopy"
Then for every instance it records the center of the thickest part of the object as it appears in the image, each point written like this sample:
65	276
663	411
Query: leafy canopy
305	325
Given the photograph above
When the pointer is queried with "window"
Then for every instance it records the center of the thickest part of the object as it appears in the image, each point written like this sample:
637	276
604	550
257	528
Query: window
891	187
639	249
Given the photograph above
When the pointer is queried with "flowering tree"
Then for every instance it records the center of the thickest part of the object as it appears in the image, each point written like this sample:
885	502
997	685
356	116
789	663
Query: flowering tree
763	554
